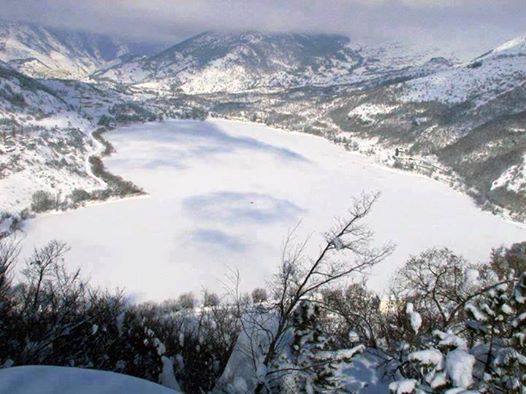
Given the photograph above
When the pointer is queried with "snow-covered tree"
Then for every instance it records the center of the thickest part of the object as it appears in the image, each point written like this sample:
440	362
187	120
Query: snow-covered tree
486	354
347	251
498	328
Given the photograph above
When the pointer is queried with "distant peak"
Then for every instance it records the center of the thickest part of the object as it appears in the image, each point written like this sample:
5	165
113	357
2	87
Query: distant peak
516	45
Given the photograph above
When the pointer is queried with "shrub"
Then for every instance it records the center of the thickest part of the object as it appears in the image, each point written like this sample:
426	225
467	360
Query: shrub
187	301
210	299
79	195
41	201
259	295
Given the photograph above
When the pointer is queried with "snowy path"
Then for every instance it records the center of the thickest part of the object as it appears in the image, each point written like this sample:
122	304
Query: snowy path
225	194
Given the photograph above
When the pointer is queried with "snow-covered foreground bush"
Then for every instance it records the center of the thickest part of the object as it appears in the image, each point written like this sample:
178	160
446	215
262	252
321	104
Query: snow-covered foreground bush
446	325
472	333
53	317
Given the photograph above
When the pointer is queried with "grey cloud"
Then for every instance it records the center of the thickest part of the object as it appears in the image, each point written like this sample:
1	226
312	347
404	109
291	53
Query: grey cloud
468	26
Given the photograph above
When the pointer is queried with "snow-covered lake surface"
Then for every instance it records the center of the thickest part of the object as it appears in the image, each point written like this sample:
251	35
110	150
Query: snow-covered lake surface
223	195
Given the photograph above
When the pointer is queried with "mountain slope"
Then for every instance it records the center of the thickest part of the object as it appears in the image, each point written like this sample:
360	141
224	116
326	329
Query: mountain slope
21	95
43	142
478	82
233	63
470	118
43	52
213	62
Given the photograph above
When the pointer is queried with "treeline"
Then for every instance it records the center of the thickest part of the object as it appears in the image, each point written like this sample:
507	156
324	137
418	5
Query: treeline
447	325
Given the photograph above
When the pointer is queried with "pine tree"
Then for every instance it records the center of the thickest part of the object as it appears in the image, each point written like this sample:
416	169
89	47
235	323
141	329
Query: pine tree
308	347
497	325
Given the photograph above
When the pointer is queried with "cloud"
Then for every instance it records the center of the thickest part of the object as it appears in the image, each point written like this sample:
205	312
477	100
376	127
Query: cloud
463	25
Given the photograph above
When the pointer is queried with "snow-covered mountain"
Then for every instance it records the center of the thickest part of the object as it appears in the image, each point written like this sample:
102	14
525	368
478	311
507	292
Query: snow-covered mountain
470	118
20	95
252	61
43	52
43	144
213	62
479	81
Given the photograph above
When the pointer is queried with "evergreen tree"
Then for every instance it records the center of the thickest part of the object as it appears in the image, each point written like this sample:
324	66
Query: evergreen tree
497	323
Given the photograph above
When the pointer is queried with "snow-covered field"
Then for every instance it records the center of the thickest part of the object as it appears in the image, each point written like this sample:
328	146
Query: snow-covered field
223	195
51	380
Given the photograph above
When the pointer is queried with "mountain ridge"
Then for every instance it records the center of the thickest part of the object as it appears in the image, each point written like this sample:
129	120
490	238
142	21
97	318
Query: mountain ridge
44	52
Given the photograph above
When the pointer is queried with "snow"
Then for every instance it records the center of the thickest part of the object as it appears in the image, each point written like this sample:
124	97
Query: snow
338	243
5	224
458	390
516	46
477	314
513	179
342	354
414	318
41	53
367	112
431	357
471	278
167	376
233	70
364	374
448	339
245	367
62	120
403	387
52	380
17	188
459	367
224	195
500	71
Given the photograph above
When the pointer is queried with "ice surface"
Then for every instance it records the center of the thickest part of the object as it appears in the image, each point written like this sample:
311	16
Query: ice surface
225	194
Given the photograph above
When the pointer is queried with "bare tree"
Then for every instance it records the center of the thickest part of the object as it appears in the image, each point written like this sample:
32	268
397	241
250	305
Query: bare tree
358	310
347	251
187	301
210	299
43	264
9	251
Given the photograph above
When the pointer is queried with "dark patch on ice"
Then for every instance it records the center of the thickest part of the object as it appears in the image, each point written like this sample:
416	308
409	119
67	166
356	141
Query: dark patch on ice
204	139
218	239
232	207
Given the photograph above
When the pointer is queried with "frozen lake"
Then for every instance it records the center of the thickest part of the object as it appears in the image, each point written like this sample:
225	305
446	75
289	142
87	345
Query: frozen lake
224	195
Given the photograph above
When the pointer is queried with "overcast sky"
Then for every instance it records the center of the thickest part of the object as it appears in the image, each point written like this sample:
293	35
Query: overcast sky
467	27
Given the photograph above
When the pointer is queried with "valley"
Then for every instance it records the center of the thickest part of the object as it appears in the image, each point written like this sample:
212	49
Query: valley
368	97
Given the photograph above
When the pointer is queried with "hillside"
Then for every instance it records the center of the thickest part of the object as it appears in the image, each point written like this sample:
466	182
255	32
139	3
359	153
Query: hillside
252	61
43	52
470	119
43	143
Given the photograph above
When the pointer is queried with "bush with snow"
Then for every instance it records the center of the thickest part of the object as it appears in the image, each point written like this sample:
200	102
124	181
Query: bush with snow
42	201
487	352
